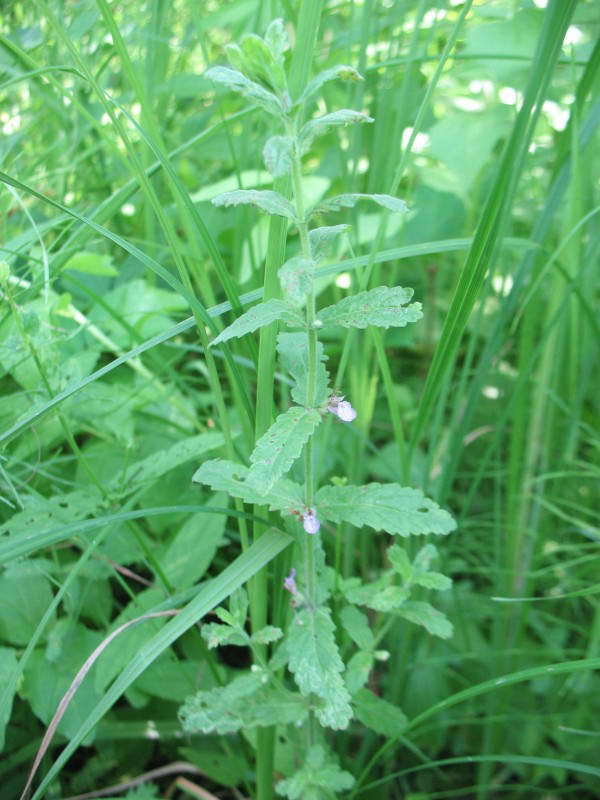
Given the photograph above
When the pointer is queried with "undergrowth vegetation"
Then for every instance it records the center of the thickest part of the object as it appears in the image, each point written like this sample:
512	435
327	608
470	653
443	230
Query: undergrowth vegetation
299	333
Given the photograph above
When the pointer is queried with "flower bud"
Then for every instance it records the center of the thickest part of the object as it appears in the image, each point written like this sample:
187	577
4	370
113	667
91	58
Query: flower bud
289	583
341	408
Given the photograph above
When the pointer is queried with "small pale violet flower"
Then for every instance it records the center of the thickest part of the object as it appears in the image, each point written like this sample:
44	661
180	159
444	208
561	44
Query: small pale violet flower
289	583
341	408
310	521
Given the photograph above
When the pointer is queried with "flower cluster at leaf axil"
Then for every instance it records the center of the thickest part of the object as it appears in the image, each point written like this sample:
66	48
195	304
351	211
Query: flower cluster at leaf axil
308	640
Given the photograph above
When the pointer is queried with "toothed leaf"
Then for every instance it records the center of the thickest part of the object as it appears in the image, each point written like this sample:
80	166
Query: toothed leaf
388	507
237	82
350	200
257	317
384	307
265	199
293	349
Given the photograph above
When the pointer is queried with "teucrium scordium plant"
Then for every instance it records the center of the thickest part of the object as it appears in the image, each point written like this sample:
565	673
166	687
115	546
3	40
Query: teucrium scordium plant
322	687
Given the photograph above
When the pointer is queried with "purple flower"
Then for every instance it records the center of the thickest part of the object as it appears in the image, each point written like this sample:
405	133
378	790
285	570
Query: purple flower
289	583
341	408
310	521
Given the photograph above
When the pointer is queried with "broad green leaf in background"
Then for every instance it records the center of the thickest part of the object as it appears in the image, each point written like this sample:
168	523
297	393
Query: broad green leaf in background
384	307
378	714
92	263
237	82
244	702
267	200
8	664
316	664
280	446
322	239
350	200
293	351
258	316
341	71
200	534
320	125
296	279
229	477
358	670
319	777
153	467
26	594
278	155
384	506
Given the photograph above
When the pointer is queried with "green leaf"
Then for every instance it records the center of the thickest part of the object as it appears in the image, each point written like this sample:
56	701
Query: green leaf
8	665
266	199
341	72
356	625
229	477
261	61
378	596
350	200
92	263
321	239
293	350
318	778
243	703
257	317
320	125
384	307
267	635
277	40
388	507
154	466
276	451
418	572
238	606
316	665
429	617
25	594
201	534
216	635
378	714
278	155
296	279
237	82
358	670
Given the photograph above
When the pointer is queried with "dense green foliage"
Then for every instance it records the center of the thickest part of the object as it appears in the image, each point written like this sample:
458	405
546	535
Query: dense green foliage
156	467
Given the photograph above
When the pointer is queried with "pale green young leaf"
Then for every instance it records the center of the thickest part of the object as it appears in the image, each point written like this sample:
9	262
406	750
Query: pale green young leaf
225	616
241	704
267	200
318	778
434	621
236	58
267	635
341	72
278	155
216	635
237	82
276	451
388	507
400	561
320	125
322	239
293	350
227	476
378	714
257	317
316	664
358	670
356	624
340	201
239	605
384	307
296	279
261	61
277	40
